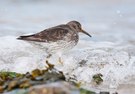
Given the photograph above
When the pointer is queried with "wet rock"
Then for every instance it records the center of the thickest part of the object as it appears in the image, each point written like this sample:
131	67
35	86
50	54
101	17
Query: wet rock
1	89
115	93
51	88
11	80
12	85
49	81
104	93
84	91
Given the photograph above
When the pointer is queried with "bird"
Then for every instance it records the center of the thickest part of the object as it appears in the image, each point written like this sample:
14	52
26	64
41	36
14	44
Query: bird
57	39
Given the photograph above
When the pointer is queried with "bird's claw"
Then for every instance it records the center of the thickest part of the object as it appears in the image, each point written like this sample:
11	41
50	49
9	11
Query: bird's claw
49	66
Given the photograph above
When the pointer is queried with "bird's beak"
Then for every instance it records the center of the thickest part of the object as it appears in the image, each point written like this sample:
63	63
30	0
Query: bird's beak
86	33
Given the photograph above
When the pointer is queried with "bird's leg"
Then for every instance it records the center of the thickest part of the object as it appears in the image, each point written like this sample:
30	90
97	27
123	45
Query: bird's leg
47	58
60	60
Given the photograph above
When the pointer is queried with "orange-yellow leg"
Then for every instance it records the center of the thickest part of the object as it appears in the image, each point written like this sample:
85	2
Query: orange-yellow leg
47	59
60	61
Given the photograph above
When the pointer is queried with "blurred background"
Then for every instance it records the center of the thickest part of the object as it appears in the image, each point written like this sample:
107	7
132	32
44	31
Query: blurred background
105	20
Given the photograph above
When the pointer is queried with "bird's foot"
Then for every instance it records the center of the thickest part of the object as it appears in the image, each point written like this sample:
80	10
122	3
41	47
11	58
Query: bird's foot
46	62
49	66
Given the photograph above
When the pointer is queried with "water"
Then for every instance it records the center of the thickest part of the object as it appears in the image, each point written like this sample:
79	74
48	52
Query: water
110	51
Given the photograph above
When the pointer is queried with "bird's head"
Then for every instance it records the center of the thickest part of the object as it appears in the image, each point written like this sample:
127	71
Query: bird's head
77	27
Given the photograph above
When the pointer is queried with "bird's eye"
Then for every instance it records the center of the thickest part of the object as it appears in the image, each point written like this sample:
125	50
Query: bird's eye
79	26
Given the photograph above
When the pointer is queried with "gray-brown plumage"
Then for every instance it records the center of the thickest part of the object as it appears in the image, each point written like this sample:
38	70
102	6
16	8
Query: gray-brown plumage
57	39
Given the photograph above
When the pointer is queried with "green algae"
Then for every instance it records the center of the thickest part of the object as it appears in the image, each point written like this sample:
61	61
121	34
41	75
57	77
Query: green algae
84	91
97	78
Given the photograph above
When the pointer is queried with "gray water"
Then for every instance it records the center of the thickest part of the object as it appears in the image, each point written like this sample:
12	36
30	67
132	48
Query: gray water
105	20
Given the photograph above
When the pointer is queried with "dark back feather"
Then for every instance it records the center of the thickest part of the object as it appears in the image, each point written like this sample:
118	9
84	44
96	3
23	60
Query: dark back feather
48	35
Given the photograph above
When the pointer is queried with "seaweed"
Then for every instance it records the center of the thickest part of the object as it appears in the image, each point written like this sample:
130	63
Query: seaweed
84	91
12	80
97	78
36	82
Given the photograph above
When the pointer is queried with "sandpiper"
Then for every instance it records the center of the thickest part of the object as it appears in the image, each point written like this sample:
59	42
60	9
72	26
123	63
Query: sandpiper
58	39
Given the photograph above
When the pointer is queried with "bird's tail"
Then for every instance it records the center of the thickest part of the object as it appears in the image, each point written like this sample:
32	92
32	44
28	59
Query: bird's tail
24	37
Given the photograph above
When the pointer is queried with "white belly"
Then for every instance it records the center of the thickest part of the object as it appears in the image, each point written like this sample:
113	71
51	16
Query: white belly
54	47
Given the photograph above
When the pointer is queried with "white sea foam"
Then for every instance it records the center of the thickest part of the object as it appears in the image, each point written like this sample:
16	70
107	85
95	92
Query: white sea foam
80	64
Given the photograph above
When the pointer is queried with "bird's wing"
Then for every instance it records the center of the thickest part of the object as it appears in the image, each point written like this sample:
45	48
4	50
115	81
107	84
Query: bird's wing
48	35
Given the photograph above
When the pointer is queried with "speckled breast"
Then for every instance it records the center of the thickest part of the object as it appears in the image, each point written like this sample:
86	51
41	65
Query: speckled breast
65	44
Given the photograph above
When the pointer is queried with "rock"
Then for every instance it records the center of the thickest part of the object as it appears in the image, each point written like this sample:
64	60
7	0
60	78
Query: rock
14	81
104	92
51	88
